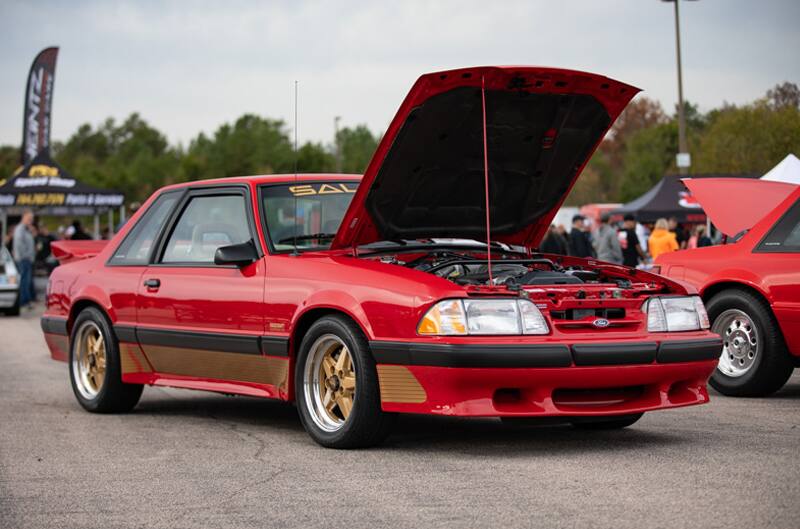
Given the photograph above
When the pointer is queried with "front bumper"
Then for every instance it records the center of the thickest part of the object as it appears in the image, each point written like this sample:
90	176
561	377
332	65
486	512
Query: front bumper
544	379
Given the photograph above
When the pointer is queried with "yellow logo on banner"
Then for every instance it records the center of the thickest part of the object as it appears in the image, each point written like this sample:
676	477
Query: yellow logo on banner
42	170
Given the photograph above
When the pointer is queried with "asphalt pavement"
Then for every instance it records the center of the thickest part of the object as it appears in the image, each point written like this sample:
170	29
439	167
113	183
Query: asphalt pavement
191	459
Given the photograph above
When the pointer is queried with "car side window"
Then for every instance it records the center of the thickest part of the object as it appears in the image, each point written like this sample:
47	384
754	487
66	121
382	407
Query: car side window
784	237
135	249
206	223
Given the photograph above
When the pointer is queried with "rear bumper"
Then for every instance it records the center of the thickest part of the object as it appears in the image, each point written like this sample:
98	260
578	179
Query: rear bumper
544	380
8	296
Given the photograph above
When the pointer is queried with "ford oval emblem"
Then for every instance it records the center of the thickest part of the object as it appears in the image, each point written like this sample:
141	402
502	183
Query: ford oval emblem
600	323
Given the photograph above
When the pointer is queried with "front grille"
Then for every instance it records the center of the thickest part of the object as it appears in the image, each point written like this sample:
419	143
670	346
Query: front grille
612	313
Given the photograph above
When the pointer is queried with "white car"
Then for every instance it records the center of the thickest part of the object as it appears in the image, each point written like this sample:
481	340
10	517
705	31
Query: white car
9	284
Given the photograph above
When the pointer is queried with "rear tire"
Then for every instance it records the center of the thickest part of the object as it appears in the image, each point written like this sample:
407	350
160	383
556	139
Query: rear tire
754	361
336	384
614	422
94	366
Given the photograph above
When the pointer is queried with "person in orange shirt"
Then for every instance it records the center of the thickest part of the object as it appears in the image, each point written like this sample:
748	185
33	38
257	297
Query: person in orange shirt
661	240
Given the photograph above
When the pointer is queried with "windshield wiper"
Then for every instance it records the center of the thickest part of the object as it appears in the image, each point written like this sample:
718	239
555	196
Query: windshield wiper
307	237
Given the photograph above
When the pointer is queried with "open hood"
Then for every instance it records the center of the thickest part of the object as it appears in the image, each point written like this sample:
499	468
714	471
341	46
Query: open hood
426	178
737	204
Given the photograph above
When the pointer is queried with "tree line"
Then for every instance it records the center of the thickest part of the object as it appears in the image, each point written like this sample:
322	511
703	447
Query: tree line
135	158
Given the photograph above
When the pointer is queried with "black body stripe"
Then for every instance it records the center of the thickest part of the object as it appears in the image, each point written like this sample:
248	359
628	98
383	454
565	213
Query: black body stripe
689	350
52	325
471	355
125	333
275	346
227	343
608	354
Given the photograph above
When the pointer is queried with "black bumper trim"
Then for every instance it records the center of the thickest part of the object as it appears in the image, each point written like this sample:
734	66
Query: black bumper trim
608	354
689	350
53	325
471	355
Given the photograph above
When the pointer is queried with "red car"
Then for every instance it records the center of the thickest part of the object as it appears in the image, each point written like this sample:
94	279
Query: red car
361	298
751	285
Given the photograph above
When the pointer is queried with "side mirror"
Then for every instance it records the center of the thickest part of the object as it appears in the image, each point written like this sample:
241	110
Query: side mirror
240	255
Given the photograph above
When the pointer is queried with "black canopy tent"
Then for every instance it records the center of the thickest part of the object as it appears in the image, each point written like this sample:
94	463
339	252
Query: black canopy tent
46	188
668	198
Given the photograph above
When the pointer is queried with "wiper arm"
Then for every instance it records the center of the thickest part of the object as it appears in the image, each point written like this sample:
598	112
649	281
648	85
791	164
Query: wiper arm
307	237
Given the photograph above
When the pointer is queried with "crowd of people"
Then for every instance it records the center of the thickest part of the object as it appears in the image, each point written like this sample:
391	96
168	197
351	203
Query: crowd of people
29	244
629	243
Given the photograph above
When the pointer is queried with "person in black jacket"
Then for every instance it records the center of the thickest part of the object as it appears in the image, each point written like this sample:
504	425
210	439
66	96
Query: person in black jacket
554	242
580	242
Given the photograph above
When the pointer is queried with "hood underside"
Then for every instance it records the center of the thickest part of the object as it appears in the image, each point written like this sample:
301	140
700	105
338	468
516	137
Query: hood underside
737	204
426	178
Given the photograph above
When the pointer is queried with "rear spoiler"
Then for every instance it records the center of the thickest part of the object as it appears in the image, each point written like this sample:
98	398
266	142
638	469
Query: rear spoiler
68	251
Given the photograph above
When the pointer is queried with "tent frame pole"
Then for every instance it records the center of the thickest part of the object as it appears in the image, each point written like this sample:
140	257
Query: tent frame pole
5	225
96	225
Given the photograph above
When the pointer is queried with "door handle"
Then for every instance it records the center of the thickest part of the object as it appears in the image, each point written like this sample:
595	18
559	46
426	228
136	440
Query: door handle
152	283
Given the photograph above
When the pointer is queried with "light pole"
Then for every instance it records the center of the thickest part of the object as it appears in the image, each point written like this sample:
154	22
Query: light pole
336	121
683	159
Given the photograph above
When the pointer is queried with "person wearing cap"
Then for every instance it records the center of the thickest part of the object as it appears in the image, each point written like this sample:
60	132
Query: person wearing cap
606	243
580	243
629	243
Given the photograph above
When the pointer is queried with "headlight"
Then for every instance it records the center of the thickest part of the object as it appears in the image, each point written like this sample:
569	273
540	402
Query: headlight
675	313
455	317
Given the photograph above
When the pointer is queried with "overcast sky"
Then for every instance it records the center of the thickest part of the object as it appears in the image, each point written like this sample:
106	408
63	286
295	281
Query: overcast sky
188	67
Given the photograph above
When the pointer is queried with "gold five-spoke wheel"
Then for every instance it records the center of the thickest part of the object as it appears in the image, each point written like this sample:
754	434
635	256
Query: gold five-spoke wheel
89	360
330	382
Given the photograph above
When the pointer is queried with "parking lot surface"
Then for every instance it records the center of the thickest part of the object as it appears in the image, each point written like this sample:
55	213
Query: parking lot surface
190	459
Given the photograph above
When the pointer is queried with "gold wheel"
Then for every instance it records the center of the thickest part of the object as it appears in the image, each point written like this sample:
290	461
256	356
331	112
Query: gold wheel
89	360
330	382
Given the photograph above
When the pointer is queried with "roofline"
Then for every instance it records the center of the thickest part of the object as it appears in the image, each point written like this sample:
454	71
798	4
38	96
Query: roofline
268	179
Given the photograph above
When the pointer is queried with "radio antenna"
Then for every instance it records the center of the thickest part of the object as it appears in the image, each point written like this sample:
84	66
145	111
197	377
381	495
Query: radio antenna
294	212
486	182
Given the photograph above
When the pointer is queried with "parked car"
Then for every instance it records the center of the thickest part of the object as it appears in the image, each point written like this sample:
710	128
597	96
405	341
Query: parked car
751	284
362	298
9	284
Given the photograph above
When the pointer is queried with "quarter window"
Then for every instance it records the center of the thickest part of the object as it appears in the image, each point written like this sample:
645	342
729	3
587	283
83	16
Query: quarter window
135	249
784	237
207	223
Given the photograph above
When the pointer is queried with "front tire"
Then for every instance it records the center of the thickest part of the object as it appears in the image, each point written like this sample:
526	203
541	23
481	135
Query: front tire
336	384
754	360
94	366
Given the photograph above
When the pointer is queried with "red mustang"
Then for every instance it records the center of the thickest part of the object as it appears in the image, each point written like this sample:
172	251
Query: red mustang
360	298
751	285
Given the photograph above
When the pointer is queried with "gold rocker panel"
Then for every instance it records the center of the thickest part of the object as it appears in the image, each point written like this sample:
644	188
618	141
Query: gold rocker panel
132	360
219	365
398	384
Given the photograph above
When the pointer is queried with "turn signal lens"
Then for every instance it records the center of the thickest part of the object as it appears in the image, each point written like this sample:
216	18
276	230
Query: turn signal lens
701	313
445	318
483	317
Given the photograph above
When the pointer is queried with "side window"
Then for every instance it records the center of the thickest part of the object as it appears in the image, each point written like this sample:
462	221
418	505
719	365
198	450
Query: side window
135	249
784	237
206	223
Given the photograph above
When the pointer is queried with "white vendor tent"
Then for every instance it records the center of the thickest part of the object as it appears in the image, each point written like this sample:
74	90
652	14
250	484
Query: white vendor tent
788	170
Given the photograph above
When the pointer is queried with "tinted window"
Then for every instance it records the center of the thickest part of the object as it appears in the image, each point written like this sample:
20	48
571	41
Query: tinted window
206	223
135	249
784	237
311	211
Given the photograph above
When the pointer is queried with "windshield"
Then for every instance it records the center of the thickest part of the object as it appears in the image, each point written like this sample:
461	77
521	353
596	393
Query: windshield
309	212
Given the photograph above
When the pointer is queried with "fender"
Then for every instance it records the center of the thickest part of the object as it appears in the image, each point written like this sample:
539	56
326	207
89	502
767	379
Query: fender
743	277
335	300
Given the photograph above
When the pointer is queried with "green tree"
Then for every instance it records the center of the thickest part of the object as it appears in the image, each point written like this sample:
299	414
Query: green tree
357	145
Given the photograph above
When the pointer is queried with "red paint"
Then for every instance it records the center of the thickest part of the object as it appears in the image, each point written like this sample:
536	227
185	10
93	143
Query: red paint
279	293
775	276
